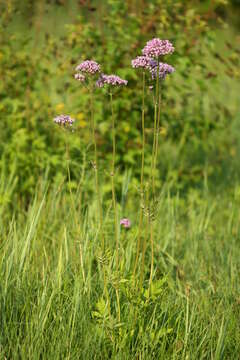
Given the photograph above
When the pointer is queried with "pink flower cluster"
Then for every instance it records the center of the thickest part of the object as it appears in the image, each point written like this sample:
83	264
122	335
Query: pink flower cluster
163	68
80	77
157	47
144	62
89	67
112	80
152	51
64	120
125	223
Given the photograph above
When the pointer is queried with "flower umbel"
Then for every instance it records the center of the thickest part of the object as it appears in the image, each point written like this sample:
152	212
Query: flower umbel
88	67
64	120
80	77
112	80
157	47
163	69
126	223
144	62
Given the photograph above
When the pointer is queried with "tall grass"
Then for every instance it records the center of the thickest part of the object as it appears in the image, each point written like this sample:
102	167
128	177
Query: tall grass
49	310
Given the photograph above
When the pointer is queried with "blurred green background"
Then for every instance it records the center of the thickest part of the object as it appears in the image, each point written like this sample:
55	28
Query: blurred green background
41	42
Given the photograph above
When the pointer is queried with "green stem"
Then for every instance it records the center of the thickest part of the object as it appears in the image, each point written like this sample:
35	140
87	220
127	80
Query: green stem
114	198
155	131
95	166
73	206
144	241
113	184
142	175
154	172
152	251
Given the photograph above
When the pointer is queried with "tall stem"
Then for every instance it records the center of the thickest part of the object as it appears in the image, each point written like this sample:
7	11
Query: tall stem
95	166
73	206
114	198
155	131
144	240
154	172
142	174
113	183
152	250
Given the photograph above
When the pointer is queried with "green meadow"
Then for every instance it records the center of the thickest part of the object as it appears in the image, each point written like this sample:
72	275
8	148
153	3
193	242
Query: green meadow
75	283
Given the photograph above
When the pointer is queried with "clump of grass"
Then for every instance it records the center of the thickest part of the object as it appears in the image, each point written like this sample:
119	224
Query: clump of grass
48	310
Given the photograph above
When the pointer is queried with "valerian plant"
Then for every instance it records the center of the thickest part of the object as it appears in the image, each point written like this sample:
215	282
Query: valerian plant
88	73
150	62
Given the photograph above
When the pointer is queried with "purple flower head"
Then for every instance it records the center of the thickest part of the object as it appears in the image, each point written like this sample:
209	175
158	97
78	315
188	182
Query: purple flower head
157	47
100	82
125	223
89	67
64	120
80	77
144	62
164	69
112	80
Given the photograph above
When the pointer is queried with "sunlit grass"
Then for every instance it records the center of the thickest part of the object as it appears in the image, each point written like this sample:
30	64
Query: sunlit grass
53	306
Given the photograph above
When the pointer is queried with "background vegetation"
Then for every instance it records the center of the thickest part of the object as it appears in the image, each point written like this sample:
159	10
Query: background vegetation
50	287
41	44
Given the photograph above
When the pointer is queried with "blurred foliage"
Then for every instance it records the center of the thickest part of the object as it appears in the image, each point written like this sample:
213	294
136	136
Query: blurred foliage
41	42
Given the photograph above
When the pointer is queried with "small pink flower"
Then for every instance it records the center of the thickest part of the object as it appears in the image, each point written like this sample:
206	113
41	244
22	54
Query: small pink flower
80	77
112	80
157	47
125	223
144	62
88	67
64	120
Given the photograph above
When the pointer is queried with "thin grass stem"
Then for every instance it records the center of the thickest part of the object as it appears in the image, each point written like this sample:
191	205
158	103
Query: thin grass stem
152	251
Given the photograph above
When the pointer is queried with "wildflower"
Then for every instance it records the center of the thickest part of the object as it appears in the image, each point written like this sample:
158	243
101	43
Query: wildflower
113	80
144	62
100	82
125	223
80	77
157	47
163	68
89	67
64	120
